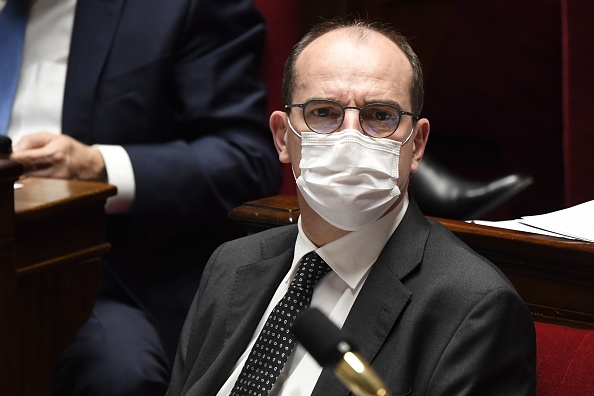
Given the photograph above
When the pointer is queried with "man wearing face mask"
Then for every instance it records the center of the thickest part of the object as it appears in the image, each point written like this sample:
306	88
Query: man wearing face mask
431	315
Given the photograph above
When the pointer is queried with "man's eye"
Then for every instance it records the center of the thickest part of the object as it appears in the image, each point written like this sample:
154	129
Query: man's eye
383	116
321	112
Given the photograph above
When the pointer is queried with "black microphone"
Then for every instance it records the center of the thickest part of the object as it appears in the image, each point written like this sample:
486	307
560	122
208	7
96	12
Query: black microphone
5	145
326	343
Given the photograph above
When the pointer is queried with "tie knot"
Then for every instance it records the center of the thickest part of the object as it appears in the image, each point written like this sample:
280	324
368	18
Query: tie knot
311	269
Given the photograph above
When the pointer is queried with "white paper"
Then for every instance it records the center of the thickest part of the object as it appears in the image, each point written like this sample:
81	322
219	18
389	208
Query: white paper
576	222
517	225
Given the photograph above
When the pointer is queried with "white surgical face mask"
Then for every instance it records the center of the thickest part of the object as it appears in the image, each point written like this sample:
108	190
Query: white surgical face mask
348	178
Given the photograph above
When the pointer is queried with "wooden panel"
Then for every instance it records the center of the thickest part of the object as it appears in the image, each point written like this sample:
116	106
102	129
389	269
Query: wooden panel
265	213
53	304
52	233
9	172
58	222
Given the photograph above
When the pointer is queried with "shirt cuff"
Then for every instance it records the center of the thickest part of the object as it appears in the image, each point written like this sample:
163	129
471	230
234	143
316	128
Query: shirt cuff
120	174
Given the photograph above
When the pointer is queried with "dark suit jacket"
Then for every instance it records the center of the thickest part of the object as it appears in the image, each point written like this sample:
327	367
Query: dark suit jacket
176	84
433	317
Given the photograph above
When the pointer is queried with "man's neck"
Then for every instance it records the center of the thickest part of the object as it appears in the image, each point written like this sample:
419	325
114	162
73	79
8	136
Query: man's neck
319	231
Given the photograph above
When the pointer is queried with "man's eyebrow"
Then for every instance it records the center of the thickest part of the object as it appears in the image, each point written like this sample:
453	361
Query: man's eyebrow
385	101
369	101
320	98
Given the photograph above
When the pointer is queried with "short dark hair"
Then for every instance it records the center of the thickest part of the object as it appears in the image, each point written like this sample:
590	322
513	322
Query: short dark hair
360	27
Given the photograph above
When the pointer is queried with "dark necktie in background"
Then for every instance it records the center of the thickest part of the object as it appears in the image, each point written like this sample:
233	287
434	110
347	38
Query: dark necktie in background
13	20
276	340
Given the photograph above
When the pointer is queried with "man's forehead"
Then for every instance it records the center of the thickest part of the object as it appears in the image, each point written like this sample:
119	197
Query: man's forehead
348	35
364	53
362	37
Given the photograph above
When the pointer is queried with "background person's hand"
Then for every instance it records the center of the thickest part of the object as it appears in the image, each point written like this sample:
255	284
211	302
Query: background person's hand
45	154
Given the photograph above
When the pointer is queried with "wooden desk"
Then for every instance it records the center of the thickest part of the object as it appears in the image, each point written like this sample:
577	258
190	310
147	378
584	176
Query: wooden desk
52	233
554	276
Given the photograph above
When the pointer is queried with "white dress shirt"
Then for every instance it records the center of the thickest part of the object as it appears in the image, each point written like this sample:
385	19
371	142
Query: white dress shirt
350	257
40	90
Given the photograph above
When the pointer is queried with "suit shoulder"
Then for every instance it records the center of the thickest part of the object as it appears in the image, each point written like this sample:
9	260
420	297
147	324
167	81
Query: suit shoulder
450	255
258	246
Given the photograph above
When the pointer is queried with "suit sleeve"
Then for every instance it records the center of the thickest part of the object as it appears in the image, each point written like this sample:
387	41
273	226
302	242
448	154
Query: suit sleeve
192	336
491	353
218	153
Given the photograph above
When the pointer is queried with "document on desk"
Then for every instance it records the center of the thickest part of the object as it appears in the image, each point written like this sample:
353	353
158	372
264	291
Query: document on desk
516	225
575	222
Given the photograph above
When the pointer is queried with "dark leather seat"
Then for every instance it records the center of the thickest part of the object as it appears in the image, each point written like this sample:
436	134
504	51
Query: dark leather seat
441	193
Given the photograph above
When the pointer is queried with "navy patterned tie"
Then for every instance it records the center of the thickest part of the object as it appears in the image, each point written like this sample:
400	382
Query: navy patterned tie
275	342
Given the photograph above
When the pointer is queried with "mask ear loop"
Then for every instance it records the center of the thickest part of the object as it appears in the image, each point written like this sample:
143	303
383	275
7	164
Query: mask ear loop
294	175
299	136
403	143
409	135
291	126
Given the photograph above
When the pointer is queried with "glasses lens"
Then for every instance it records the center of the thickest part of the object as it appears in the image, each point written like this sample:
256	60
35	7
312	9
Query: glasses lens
323	116
379	120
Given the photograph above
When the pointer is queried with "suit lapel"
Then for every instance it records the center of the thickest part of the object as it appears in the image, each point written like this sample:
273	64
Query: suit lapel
253	288
95	23
250	289
383	296
255	283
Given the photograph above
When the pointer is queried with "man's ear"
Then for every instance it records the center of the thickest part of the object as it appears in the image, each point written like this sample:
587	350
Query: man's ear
279	128
419	143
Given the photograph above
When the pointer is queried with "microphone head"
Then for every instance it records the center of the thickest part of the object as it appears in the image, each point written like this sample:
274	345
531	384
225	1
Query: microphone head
320	337
325	342
5	144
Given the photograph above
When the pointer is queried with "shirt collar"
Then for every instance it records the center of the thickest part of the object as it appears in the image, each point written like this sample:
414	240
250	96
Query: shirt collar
352	255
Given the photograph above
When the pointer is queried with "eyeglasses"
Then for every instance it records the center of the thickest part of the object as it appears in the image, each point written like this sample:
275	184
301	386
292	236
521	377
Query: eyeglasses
376	119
